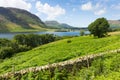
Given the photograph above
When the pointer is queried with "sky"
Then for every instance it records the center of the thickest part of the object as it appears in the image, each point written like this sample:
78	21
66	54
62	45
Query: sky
77	13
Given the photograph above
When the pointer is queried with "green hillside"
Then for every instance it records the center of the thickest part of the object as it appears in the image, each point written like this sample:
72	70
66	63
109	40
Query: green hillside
60	51
18	20
57	25
106	67
103	68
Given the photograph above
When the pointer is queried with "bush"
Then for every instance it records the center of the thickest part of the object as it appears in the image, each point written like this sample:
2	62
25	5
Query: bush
22	42
69	41
6	52
4	42
23	48
34	40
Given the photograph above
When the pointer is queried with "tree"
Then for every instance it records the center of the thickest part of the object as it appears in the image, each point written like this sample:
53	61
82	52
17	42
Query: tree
99	27
82	32
21	39
4	42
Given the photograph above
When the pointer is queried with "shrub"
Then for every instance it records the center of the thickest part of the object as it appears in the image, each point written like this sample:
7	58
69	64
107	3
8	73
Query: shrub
22	42
6	52
4	42
69	41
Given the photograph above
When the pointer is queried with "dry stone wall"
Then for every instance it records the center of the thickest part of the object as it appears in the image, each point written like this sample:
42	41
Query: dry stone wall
78	63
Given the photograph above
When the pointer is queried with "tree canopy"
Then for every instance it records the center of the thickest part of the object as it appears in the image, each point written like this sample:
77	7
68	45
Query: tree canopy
24	42
99	27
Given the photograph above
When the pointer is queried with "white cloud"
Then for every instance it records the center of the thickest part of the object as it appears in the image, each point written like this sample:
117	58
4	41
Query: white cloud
97	9
50	11
116	15
87	6
97	6
22	4
100	12
117	6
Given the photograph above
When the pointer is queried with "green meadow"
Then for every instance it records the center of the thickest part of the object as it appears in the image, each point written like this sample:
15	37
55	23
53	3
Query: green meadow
59	51
106	67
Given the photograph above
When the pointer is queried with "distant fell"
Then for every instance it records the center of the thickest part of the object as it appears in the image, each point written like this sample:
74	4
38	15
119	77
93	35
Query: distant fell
13	19
57	25
114	24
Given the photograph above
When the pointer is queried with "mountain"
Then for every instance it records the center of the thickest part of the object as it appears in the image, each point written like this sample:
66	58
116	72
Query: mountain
114	24
13	19
55	24
66	25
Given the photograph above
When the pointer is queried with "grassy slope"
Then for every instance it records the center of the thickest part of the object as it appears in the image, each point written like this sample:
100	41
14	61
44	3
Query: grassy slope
114	33
60	51
110	69
12	27
106	67
18	20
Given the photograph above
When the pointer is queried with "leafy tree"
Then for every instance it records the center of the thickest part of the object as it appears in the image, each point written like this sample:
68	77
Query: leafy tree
21	39
6	52
47	38
4	42
99	27
33	40
23	42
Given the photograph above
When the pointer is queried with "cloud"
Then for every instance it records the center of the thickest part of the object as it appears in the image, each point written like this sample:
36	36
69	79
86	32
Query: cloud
97	9
116	6
100	12
51	11
87	6
22	4
116	15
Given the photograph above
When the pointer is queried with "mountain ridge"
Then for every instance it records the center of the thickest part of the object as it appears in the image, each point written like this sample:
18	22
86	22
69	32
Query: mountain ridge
13	18
56	24
114	24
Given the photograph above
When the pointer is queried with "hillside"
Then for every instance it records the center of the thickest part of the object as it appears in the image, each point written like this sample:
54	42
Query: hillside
17	20
57	25
60	51
114	24
102	66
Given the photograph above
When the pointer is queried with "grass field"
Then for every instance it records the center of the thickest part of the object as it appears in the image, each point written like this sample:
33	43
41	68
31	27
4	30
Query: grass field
106	67
114	33
60	51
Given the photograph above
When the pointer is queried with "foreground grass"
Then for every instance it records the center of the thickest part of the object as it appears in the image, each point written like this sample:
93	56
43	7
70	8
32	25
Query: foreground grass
60	51
106	67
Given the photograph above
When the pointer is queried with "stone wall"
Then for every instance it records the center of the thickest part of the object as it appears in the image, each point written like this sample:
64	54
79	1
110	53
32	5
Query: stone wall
78	63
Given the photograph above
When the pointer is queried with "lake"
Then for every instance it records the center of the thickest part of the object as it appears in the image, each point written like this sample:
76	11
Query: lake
11	35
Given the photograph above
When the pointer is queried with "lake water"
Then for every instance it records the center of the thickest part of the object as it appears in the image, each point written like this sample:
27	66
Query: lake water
11	35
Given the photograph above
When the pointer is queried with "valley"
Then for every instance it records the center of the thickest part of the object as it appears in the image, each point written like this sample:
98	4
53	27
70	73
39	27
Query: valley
59	40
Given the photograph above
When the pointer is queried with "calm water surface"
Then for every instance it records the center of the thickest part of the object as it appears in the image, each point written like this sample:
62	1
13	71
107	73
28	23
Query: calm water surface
11	35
